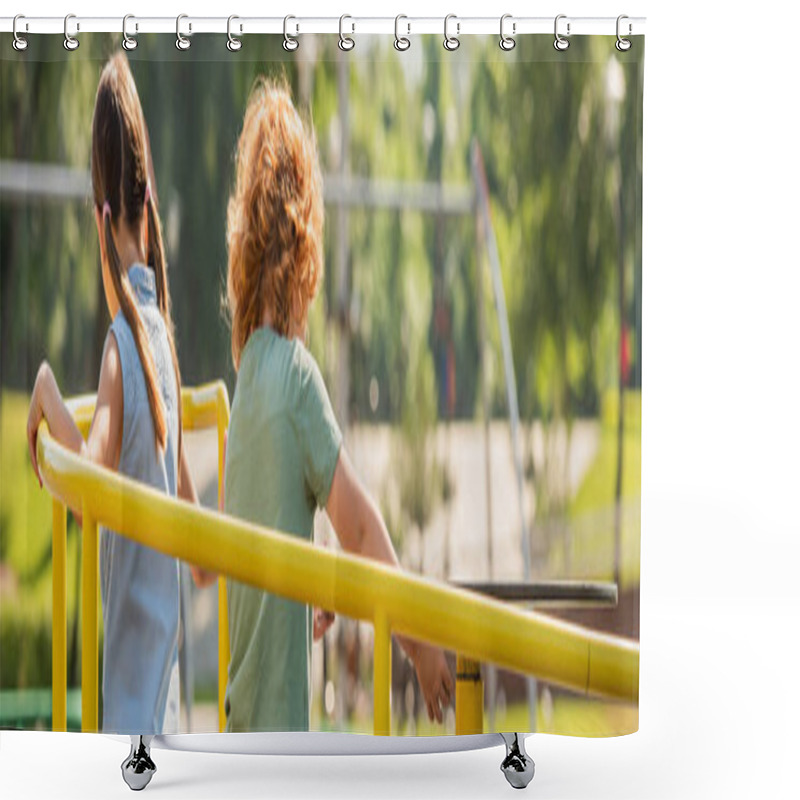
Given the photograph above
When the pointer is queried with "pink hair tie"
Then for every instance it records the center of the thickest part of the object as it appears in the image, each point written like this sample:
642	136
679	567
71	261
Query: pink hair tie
147	194
106	209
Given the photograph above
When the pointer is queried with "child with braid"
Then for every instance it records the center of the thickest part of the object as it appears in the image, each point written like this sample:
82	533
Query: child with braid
136	429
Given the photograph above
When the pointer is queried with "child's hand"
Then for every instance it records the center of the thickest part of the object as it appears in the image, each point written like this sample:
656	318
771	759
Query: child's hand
322	621
434	678
202	577
36	414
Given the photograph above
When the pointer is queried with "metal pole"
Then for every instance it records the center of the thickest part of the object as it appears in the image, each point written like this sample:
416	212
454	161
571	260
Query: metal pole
469	696
487	456
59	720
482	189
223	639
341	311
341	301
621	380
382	675
89	647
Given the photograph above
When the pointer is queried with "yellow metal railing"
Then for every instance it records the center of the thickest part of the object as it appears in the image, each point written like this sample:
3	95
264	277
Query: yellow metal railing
477	628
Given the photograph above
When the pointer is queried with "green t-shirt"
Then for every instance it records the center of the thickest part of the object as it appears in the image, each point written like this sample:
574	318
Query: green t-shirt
283	446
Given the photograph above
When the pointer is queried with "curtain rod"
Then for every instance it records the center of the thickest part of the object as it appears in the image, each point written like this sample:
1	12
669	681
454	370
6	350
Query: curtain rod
296	26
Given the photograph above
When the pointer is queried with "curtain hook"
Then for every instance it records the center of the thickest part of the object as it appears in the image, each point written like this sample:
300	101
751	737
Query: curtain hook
623	44
181	42
129	42
346	42
233	44
507	42
451	42
70	42
20	42
401	43
290	43
560	42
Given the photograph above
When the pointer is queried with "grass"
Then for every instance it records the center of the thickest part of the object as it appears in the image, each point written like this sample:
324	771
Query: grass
589	552
26	557
25	509
597	489
563	714
571	716
26	529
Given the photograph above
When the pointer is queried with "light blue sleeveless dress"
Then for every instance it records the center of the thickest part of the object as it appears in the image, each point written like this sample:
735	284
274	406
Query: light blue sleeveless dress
140	587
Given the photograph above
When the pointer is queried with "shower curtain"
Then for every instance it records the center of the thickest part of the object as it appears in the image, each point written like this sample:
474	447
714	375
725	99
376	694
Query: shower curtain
404	290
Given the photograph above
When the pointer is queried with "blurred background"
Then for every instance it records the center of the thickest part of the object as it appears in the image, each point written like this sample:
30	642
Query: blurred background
478	327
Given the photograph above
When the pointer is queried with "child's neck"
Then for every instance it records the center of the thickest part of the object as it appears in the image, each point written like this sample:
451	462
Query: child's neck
296	331
130	247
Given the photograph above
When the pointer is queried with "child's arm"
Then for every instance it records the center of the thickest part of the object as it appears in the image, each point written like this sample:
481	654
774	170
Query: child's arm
105	435
361	529
187	491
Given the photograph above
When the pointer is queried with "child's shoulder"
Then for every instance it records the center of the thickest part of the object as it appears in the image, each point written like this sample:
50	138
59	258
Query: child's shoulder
121	333
268	356
308	371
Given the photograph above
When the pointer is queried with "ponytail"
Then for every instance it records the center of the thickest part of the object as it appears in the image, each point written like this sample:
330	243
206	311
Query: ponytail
121	187
131	313
155	258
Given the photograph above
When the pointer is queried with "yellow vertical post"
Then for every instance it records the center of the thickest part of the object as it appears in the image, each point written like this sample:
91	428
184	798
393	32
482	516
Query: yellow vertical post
469	696
59	720
382	674
223	647
89	666
223	640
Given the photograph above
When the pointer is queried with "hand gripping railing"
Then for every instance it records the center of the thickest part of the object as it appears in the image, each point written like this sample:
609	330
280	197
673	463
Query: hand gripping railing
392	600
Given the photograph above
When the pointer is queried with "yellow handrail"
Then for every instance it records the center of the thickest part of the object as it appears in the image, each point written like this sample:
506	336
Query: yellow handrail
476	627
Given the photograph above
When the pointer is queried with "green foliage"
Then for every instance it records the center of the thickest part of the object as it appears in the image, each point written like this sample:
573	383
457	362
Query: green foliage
591	510
24	507
25	648
25	563
553	205
553	161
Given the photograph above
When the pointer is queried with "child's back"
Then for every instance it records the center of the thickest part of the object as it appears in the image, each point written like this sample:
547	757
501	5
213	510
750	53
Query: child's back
285	457
283	445
140	586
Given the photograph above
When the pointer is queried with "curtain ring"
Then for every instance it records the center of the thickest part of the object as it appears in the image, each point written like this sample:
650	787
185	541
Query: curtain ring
181	42
622	44
290	43
20	42
507	42
346	42
401	43
233	44
70	42
451	42
560	42
128	42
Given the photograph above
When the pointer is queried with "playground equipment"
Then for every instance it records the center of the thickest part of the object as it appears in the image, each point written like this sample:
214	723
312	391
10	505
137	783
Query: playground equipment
22	181
476	627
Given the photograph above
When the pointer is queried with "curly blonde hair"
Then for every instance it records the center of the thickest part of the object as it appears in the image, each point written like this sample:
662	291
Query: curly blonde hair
275	217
